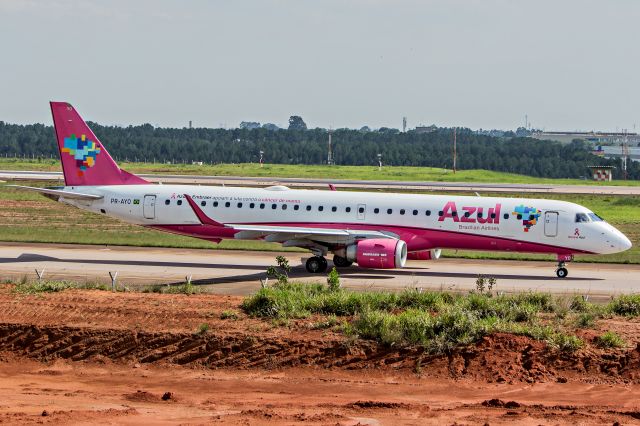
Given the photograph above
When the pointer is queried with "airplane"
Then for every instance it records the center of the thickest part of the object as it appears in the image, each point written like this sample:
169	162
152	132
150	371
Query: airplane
374	230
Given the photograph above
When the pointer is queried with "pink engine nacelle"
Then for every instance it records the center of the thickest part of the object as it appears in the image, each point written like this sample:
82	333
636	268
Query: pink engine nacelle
424	254
383	253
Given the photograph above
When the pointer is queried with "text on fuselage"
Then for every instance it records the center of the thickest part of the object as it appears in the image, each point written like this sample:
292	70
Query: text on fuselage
471	214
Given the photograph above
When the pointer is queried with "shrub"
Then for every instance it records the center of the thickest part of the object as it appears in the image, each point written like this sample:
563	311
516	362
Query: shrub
610	340
203	329
333	279
565	342
233	315
586	320
627	305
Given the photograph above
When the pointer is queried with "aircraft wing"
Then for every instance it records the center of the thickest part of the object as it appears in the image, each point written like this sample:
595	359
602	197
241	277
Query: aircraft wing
298	236
59	193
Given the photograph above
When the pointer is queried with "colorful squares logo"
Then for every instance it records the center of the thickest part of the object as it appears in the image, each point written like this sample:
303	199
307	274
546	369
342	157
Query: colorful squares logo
84	151
529	215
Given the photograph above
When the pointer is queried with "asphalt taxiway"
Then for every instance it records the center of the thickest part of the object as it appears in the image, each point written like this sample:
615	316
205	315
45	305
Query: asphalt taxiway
240	272
513	188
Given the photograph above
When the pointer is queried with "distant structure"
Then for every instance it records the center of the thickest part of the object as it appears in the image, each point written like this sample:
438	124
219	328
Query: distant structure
599	138
190	124
404	124
330	152
426	129
602	173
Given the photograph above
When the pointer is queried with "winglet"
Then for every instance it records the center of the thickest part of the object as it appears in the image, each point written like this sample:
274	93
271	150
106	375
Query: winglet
204	219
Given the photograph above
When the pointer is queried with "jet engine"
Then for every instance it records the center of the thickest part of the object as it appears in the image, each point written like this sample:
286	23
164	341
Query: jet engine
425	254
382	253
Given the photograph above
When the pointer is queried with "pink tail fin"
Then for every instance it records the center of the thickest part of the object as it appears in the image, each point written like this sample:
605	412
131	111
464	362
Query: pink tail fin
84	159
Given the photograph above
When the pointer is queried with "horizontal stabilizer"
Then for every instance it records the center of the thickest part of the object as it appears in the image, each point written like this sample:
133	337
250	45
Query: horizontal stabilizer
60	193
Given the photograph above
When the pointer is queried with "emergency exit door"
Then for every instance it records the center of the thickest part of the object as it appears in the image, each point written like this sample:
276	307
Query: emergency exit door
551	224
149	207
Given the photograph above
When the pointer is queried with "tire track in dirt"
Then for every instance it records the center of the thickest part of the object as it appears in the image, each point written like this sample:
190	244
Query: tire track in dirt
499	358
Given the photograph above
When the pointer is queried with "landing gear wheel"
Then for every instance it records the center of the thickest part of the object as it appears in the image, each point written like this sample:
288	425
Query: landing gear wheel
316	264
341	262
562	272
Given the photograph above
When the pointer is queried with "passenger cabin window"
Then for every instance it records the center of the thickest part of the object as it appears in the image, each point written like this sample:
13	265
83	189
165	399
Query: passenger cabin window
167	202
415	212
428	213
179	202
284	207
519	216
215	204
493	215
320	208
227	204
440	213
308	208
296	207
506	215
376	210
252	205
594	217
581	217
361	210
467	214
239	205
401	211
348	209
274	206
334	208
479	214
262	205
389	211
203	203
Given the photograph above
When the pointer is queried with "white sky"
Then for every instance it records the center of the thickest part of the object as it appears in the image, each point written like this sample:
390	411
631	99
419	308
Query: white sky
568	64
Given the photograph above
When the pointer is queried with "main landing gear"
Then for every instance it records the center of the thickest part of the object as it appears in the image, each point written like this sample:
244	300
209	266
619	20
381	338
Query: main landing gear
316	264
341	262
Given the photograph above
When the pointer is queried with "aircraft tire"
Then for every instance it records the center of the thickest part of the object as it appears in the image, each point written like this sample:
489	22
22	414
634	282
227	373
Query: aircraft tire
316	264
341	262
562	272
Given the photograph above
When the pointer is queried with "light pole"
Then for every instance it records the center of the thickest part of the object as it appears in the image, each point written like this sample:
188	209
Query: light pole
379	162
261	158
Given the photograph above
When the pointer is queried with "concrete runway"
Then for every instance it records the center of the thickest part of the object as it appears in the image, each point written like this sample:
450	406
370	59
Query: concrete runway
363	184
239	272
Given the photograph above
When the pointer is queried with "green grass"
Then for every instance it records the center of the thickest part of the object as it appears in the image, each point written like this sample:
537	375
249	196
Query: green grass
437	321
610	340
389	173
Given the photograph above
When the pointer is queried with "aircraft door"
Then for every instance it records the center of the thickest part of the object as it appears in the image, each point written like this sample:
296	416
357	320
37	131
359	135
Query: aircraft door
362	208
551	224
149	207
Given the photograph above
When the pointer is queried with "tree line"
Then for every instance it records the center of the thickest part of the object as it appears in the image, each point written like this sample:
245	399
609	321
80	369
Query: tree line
145	142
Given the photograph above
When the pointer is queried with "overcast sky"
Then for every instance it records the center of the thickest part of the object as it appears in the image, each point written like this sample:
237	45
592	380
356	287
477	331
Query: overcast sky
568	64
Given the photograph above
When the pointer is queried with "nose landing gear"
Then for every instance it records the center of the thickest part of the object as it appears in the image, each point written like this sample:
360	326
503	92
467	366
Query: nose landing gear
562	271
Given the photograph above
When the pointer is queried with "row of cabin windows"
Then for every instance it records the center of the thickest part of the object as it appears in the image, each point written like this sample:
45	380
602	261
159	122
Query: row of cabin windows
347	209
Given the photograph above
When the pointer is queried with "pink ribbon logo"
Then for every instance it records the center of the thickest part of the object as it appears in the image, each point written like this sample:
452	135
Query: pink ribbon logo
576	232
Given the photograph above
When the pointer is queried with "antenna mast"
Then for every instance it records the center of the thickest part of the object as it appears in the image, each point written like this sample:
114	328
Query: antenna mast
625	154
455	154
330	153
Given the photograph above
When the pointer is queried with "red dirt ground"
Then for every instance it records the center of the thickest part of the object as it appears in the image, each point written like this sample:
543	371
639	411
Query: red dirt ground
88	357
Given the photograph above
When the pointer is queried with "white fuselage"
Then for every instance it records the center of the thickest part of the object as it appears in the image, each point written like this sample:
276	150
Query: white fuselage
423	221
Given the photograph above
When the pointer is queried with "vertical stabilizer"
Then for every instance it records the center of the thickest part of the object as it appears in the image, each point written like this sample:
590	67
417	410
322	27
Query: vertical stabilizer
84	159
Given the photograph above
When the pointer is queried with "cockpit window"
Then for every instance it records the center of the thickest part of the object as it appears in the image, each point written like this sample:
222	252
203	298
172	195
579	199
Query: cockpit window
594	217
581	217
